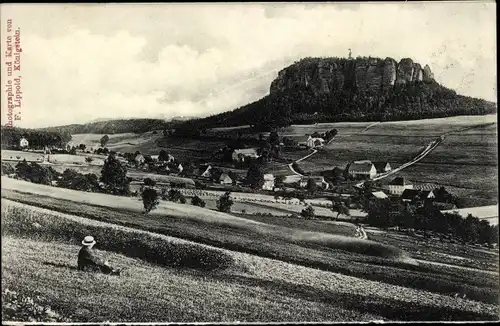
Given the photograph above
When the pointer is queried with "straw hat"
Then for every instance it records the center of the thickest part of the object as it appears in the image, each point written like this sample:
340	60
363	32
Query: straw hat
88	241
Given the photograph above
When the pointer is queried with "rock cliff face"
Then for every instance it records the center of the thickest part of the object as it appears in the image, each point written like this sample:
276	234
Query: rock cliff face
325	76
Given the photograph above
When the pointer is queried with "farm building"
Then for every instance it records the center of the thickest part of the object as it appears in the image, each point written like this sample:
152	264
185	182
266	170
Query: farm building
362	170
379	195
139	159
241	155
398	185
23	143
320	182
268	182
206	173
415	194
382	167
180	167
225	179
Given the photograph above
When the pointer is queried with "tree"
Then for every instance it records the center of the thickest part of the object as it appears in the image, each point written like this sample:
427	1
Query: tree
197	201
89	159
114	177
150	199
224	203
71	179
149	182
255	177
105	151
72	151
7	169
175	195
274	138
311	187
279	181
340	208
104	140
308	212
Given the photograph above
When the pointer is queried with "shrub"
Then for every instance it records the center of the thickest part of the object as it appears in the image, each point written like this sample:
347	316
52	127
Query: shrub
149	182
21	308
34	173
7	169
150	199
88	159
161	250
175	196
224	203
308	212
182	200
84	182
197	201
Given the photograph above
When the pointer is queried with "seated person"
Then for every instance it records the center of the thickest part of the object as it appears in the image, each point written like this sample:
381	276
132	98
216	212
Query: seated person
88	261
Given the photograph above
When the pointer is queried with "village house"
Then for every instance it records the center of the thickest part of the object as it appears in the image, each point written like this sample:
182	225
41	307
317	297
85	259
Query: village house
318	180
139	159
207	173
23	143
268	182
240	155
180	168
379	195
397	186
362	170
415	194
382	167
225	179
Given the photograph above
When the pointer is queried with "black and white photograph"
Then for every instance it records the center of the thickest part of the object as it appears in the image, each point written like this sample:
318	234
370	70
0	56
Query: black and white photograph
272	162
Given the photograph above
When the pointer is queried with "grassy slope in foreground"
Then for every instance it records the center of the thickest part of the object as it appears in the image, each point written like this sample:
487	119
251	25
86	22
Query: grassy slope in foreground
217	218
256	289
477	286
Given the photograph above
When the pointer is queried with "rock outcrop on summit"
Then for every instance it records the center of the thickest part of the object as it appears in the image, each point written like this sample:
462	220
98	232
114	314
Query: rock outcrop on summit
325	76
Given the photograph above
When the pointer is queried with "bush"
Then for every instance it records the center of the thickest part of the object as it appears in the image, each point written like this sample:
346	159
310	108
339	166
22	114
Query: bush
88	159
149	182
224	203
161	250
308	212
7	169
175	195
197	201
35	173
71	179
21	308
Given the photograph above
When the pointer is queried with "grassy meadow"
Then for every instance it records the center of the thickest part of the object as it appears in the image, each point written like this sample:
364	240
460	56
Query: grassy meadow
244	288
325	250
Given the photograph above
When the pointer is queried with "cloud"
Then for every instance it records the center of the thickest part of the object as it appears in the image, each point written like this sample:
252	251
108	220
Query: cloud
83	62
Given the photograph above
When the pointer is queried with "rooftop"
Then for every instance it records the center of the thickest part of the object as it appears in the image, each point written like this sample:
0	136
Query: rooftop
361	166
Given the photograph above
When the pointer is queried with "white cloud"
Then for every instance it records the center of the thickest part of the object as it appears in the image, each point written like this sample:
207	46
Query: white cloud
83	62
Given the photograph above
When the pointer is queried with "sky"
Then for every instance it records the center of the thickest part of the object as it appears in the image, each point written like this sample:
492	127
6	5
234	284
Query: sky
83	62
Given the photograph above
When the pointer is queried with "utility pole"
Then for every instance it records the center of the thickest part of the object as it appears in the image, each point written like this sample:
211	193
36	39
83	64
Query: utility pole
350	54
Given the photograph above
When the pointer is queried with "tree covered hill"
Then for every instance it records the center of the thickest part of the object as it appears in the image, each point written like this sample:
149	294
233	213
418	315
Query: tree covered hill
361	89
110	126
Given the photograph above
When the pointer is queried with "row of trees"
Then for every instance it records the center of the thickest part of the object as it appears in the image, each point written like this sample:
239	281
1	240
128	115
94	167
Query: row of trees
37	139
386	213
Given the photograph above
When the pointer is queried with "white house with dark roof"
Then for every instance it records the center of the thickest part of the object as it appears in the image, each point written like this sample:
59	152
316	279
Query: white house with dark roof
244	153
318	180
362	170
397	186
23	142
382	167
268	182
225	179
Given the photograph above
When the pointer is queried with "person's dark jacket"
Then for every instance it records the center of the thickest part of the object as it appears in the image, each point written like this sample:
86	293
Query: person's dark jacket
87	260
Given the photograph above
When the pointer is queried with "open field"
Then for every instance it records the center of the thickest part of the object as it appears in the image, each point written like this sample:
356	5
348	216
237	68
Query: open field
464	162
311	249
9	155
253	289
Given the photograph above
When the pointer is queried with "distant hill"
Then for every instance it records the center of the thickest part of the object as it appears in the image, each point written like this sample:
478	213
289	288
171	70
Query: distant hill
111	126
340	89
